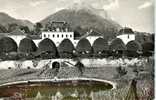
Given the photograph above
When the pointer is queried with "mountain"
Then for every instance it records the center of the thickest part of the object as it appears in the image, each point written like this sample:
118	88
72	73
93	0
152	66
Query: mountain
89	9
5	20
84	19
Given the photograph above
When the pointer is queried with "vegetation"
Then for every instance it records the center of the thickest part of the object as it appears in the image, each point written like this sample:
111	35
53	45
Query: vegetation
37	28
3	29
148	48
80	67
121	71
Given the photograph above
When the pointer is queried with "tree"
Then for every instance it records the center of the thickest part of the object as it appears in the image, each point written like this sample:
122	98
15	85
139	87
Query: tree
12	27
121	71
48	27
148	48
38	27
25	29
80	67
3	29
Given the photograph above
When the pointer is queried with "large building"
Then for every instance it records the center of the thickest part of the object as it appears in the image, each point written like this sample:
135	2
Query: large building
126	34
58	31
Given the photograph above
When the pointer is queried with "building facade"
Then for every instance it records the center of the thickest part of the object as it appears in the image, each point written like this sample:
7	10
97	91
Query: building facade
58	31
57	37
126	35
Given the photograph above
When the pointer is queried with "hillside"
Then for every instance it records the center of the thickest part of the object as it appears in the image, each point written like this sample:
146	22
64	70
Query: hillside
5	20
83	20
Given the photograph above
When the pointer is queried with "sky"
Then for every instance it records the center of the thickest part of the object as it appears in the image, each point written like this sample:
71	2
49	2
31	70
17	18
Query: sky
136	14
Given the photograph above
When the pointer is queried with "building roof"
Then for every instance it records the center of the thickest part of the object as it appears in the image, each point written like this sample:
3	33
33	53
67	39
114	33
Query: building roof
92	33
125	30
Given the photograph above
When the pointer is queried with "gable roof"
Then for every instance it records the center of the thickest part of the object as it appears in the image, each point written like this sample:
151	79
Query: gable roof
125	30
92	33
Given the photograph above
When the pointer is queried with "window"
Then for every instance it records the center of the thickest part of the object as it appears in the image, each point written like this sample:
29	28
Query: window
58	35
70	35
44	35
48	35
62	35
66	36
9	67
53	35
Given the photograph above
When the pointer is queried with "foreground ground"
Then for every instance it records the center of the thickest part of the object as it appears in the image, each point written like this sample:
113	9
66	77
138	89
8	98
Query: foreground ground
143	74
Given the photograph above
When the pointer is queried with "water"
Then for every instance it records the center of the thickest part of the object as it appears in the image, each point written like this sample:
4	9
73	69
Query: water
66	90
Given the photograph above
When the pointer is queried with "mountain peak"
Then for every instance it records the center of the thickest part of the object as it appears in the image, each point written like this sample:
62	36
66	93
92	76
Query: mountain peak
79	6
82	6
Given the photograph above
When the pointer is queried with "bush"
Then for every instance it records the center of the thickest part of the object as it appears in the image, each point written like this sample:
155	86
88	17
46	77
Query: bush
80	67
121	71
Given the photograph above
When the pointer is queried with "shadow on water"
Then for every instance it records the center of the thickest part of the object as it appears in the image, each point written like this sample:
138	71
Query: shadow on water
66	90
